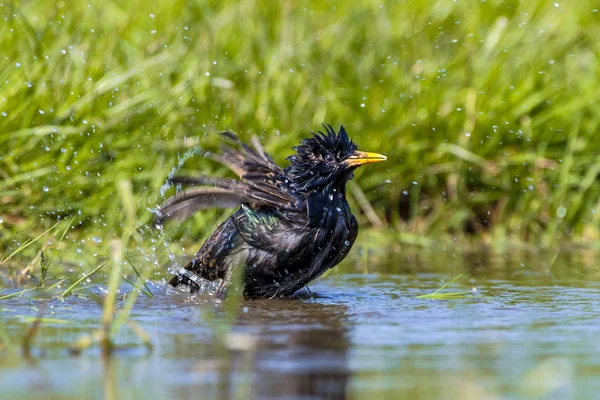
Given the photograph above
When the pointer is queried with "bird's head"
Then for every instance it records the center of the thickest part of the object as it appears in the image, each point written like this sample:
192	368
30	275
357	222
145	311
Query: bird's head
326	159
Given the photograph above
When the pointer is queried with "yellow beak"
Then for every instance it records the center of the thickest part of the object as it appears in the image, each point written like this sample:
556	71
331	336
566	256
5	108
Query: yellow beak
359	158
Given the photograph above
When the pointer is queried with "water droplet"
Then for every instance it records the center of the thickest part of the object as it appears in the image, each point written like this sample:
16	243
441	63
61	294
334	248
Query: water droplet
468	134
97	239
347	243
18	65
46	189
362	105
151	15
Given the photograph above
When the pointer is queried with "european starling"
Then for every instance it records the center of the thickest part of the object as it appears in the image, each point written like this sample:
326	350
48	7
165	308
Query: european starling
292	224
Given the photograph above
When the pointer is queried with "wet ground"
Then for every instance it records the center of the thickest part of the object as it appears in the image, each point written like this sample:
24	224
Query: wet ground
531	329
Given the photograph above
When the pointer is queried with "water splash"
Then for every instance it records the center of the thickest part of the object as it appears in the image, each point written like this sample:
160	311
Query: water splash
194	151
161	235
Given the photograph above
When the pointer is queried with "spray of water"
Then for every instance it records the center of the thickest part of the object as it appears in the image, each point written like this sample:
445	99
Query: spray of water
159	233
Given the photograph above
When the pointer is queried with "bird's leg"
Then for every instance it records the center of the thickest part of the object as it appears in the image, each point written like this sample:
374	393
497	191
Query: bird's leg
185	277
224	285
304	293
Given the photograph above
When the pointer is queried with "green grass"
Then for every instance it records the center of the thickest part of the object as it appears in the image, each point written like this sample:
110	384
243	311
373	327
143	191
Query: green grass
439	295
116	311
487	111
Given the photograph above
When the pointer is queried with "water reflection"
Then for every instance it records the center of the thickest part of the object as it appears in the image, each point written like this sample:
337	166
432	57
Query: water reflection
302	349
275	349
278	349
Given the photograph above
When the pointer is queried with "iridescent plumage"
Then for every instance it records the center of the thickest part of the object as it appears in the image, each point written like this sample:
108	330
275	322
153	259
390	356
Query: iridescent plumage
292	225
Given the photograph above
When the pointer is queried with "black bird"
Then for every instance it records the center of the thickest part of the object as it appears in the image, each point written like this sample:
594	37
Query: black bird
293	224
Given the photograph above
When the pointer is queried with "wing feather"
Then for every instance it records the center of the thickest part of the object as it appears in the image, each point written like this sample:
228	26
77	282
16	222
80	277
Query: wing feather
185	203
262	183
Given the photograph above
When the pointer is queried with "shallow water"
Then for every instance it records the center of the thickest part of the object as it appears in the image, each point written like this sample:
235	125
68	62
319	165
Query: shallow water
529	330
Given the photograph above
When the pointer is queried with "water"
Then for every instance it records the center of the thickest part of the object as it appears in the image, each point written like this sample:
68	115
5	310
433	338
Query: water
530	331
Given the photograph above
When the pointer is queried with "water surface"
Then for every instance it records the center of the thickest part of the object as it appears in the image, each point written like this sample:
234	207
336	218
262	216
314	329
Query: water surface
529	330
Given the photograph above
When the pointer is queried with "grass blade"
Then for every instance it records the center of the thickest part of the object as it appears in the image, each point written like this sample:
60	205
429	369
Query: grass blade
28	243
141	289
16	294
447	296
142	279
78	281
45	266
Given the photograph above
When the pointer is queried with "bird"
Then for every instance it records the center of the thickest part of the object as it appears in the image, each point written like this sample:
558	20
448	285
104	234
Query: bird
292	224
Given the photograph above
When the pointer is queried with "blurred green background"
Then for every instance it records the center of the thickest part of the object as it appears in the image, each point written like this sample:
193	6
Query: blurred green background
487	110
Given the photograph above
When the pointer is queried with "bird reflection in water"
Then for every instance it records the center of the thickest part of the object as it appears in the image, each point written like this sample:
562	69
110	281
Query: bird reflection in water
298	351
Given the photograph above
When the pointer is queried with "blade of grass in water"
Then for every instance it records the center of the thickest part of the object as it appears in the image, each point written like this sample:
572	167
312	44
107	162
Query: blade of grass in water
9	248
78	281
15	294
446	296
110	300
29	318
122	316
27	244
112	321
46	266
148	291
135	285
27	339
57	283
143	335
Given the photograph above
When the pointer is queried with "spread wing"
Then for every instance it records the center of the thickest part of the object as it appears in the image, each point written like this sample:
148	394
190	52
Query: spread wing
262	184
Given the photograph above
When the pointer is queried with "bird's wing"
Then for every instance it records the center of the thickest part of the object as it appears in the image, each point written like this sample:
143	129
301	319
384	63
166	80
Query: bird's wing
185	203
262	184
209	260
266	230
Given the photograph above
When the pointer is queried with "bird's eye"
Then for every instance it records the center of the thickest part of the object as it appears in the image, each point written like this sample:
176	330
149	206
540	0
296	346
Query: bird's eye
330	158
